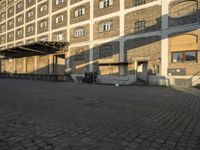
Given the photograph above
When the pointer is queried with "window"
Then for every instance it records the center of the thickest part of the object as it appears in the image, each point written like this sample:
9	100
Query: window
20	19
105	3
30	14
79	32
10	11
20	5
59	18
80	12
10	23
59	36
30	29
140	26
43	24
79	55
105	26
59	2
184	56
139	2
2	38
190	56
3	15
3	27
106	51
19	32
10	35
3	5
43	8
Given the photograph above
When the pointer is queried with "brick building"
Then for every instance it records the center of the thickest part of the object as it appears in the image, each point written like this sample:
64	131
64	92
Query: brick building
150	40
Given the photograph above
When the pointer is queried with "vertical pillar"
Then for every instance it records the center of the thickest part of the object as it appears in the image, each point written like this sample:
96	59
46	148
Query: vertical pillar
51	64
91	50
14	65
35	64
24	65
135	69
164	38
67	54
121	52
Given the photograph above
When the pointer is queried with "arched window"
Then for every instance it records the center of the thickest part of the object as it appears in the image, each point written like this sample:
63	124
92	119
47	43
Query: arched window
183	12
140	25
79	32
106	51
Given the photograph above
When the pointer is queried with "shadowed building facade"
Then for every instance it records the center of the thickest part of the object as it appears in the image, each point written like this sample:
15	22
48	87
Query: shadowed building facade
156	41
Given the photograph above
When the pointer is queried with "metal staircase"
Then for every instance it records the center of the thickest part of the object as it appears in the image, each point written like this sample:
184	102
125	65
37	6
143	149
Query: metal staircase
196	80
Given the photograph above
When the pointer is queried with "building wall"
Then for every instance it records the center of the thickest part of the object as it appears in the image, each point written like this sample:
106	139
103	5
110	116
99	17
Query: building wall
144	49
129	44
188	45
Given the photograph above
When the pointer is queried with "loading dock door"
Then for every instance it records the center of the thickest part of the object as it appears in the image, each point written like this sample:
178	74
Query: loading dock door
59	67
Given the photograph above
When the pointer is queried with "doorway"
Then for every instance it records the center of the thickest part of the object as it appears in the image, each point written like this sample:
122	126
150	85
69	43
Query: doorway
59	64
142	71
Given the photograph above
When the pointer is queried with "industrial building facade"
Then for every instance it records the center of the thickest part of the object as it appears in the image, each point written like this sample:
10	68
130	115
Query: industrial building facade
151	40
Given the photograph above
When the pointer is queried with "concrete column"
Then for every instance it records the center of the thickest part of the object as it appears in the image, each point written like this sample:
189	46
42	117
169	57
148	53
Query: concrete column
91	50
121	52
51	64
67	54
164	40
35	64
14	65
24	65
135	68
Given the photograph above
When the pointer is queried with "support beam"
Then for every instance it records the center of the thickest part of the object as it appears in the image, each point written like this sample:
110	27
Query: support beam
33	50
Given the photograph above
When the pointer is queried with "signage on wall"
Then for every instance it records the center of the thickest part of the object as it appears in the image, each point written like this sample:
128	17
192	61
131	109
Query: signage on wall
177	71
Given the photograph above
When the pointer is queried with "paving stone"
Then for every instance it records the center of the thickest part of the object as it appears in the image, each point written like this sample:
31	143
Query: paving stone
38	115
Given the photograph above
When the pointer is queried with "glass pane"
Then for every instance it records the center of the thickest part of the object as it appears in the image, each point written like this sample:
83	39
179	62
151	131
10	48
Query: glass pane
177	57
190	56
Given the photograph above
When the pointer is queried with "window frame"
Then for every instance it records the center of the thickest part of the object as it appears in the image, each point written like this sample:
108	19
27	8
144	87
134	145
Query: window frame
30	12
30	27
59	18
105	4
42	24
79	32
59	36
104	53
183	53
43	8
79	12
58	2
140	26
79	55
106	26
139	2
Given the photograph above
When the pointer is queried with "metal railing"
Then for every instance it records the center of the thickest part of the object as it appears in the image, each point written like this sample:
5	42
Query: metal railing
196	78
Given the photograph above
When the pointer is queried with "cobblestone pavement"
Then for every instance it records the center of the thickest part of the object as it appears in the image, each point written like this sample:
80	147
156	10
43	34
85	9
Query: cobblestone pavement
38	115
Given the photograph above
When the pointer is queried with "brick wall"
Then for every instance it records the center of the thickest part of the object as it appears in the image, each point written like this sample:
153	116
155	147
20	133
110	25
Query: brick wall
143	49
151	15
104	11
130	3
74	19
79	65
111	33
83	38
191	67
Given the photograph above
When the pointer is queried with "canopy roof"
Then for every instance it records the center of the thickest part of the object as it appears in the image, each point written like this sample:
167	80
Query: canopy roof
32	49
